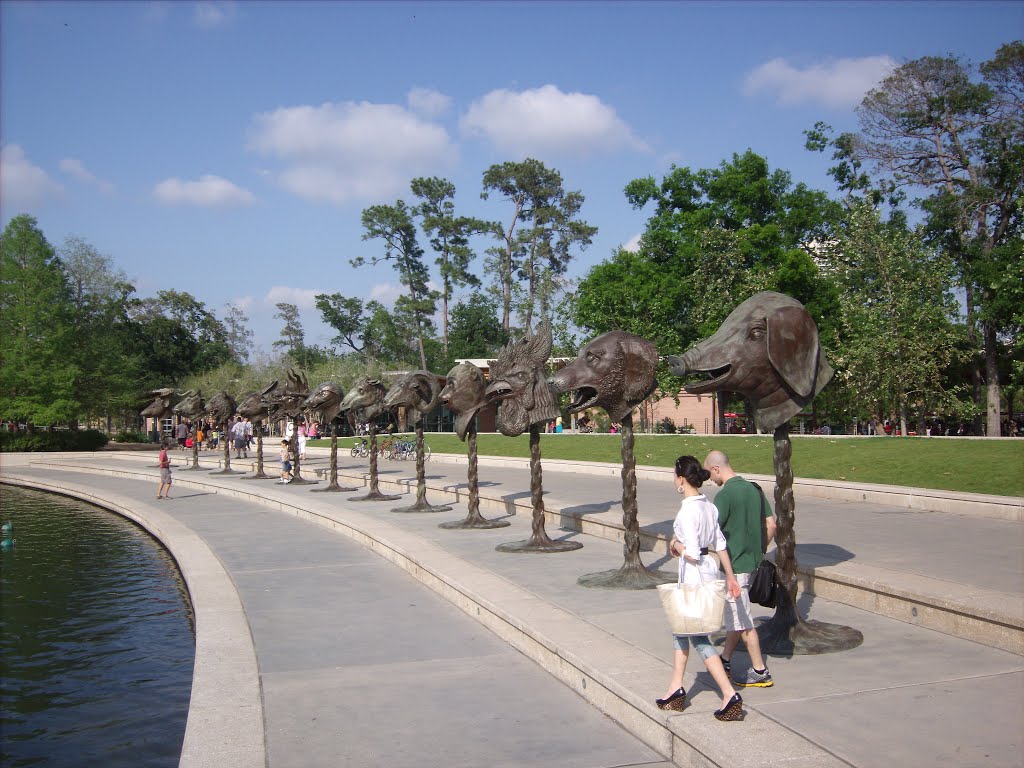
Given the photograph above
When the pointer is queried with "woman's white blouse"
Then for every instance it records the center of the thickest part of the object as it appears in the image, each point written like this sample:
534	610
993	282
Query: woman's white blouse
696	525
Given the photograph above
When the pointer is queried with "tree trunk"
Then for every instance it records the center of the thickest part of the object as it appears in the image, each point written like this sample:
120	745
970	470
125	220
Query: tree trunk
992	404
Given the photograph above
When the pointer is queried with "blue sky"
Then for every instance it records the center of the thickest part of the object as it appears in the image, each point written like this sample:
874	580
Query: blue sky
228	148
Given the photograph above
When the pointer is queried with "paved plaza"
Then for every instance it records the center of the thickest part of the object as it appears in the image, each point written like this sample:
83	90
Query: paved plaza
333	632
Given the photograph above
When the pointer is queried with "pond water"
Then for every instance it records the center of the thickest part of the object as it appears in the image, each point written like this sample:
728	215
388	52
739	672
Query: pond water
97	639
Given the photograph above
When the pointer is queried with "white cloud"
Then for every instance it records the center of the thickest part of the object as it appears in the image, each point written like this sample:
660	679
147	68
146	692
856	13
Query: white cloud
428	102
244	303
837	83
74	167
213	13
302	298
209	190
22	184
339	152
386	293
634	243
546	119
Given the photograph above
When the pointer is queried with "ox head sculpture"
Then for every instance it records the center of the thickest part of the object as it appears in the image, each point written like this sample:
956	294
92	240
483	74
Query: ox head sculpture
615	372
518	381
417	391
766	350
161	406
464	395
367	397
324	402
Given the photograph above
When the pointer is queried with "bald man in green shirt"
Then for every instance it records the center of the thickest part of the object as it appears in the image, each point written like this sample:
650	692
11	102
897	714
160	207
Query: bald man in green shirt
741	507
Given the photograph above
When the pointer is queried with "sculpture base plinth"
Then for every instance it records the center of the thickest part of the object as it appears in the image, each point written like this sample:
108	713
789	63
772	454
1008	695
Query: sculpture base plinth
260	476
195	468
469	523
806	638
539	547
374	496
301	481
228	471
424	507
627	577
333	488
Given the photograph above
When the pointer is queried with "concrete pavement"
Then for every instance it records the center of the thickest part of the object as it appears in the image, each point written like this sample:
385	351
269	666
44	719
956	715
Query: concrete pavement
908	694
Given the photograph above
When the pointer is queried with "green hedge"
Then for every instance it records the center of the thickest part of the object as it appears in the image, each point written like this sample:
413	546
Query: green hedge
131	437
63	440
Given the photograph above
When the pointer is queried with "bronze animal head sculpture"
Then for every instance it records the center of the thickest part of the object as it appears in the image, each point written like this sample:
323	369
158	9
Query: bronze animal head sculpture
366	396
615	372
464	395
220	407
417	390
252	406
324	402
191	405
518	381
285	400
160	407
766	350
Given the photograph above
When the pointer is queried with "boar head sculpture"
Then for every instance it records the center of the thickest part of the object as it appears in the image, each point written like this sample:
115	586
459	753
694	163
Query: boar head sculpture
766	350
518	381
615	372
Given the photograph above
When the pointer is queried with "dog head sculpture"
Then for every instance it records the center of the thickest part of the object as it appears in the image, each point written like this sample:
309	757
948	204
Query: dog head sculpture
325	402
220	407
464	395
615	372
162	403
766	350
367	397
191	404
417	391
518	381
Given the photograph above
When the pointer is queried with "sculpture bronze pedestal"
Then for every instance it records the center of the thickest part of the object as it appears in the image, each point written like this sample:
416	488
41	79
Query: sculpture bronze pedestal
632	574
260	474
539	541
332	486
474	519
786	632
421	504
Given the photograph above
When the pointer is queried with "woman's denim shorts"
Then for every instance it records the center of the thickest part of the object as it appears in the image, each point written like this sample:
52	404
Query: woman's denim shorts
701	644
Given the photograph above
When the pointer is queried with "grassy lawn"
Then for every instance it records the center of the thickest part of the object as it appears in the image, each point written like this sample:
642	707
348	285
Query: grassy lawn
975	466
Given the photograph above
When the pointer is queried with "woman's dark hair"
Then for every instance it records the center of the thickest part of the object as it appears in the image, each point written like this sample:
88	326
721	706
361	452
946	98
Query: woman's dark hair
688	468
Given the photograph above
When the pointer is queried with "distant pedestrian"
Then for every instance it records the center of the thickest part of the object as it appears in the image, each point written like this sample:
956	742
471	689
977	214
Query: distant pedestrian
286	464
164	491
181	432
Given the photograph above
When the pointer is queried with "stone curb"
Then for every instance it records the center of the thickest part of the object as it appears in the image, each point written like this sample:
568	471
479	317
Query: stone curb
225	717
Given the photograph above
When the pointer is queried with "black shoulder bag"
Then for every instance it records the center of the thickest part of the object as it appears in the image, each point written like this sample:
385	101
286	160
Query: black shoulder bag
763	588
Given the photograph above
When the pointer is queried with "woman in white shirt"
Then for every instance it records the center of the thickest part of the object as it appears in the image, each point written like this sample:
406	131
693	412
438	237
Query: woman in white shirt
695	534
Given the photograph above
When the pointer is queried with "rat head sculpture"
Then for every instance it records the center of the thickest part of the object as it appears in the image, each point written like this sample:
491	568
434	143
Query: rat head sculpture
160	407
417	391
220	407
766	350
367	397
463	395
518	381
191	405
615	372
325	402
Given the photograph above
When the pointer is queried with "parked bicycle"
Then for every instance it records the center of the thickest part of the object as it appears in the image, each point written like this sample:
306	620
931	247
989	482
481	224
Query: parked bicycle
361	448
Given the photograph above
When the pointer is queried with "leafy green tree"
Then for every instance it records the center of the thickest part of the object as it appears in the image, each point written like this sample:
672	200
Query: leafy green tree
449	237
934	128
717	236
897	336
346	316
199	341
475	329
394	225
540	237
37	369
293	337
110	368
239	336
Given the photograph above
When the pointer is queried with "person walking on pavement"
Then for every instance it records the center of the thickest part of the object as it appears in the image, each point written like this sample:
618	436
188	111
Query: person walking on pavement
165	473
238	435
741	507
695	533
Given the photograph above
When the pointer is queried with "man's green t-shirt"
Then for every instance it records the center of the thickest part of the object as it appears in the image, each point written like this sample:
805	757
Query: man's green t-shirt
740	508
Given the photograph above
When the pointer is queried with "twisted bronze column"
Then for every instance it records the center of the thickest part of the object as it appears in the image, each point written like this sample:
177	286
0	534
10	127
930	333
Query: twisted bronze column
374	494
333	485
474	519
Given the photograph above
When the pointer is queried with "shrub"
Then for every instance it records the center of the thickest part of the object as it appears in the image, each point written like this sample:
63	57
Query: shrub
131	437
665	427
53	440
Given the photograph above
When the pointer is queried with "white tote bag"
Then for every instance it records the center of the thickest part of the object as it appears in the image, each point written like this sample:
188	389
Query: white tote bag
694	609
